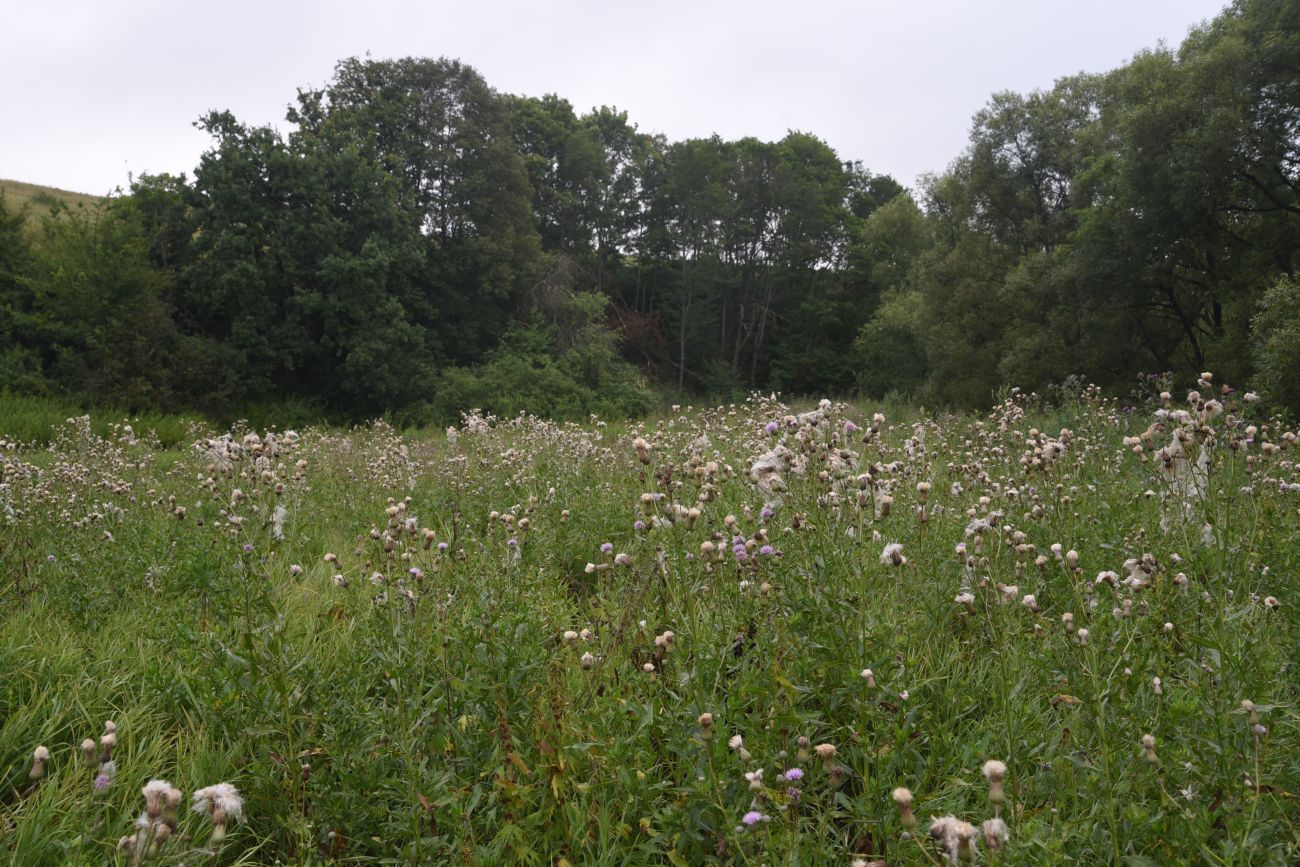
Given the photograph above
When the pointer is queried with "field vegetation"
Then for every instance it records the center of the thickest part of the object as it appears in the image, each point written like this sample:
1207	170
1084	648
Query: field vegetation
1061	631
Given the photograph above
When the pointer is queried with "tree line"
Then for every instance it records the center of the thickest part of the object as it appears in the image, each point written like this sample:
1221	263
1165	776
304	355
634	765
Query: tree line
418	243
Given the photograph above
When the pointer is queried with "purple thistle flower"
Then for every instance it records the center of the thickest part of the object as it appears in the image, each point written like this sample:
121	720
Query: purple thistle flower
793	774
101	782
442	546
767	550
248	549
639	525
766	513
849	427
512	542
771	427
607	547
753	817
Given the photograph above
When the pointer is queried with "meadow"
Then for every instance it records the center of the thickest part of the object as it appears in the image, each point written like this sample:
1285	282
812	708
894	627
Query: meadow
1061	631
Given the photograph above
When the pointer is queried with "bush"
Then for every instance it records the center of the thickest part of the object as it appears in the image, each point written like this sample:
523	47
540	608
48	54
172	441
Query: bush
1275	332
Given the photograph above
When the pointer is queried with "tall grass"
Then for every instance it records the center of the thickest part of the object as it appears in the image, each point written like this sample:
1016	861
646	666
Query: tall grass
494	705
30	419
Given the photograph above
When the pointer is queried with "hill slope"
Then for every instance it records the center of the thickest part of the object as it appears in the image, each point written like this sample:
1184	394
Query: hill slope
41	199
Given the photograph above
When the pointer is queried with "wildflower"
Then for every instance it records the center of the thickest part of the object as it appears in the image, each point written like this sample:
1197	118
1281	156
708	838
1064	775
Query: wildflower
295	570
1149	748
587	661
570	636
994	771
771	427
753	817
967	600
825	752
1156	686
88	752
222	803
755	779
706	721
155	797
107	742
1271	603
903	798
995	833
893	555
792	774
1083	636
40	757
1030	602
648	667
736	742
955	838
1250	708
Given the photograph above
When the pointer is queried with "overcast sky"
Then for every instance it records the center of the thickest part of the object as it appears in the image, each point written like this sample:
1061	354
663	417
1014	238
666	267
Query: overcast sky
91	90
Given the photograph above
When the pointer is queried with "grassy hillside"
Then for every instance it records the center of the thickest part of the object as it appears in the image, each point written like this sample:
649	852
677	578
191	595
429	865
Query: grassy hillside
39	199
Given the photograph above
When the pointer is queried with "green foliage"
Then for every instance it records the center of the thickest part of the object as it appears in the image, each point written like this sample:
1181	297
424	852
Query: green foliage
888	353
380	257
1276	337
564	363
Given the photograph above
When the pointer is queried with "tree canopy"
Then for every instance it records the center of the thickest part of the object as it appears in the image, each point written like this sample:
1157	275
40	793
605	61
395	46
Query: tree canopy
416	241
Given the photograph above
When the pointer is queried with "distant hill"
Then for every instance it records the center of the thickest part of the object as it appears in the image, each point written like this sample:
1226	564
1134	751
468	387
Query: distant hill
41	199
